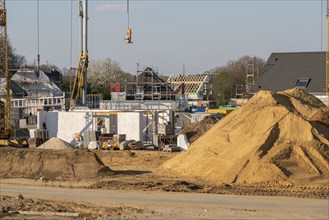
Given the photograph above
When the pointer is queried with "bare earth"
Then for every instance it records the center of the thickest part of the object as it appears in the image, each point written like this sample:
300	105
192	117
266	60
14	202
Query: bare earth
139	171
266	160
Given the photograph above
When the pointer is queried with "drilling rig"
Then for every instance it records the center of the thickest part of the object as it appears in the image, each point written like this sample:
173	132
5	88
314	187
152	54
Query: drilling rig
79	89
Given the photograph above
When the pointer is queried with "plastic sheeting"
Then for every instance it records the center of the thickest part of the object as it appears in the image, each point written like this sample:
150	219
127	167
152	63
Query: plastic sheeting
36	84
182	142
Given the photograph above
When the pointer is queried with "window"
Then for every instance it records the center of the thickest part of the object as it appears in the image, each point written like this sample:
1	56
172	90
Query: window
302	83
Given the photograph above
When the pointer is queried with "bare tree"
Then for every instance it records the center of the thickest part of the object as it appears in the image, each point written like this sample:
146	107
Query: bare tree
234	72
15	60
103	73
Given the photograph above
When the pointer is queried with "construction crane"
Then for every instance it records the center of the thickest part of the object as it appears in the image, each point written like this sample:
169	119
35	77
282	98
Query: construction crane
79	88
8	135
4	78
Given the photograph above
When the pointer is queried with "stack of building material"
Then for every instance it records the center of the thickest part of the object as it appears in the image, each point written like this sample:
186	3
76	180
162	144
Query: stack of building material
89	136
166	129
105	141
41	136
171	148
136	145
119	137
125	144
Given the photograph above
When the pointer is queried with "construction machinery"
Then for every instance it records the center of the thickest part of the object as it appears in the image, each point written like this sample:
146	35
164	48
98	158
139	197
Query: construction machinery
79	88
8	135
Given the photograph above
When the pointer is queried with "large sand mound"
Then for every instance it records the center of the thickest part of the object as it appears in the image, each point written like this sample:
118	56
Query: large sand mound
55	144
52	165
271	139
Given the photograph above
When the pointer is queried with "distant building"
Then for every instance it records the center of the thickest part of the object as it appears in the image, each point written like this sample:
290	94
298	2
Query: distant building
148	85
305	70
36	84
33	90
197	88
55	76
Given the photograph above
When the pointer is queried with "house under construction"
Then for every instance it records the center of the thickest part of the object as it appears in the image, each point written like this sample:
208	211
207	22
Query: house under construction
197	88
149	86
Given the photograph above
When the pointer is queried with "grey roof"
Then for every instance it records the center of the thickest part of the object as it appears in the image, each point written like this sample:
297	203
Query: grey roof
16	89
282	71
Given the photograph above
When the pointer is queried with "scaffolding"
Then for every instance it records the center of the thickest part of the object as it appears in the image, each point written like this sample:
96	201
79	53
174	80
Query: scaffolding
149	86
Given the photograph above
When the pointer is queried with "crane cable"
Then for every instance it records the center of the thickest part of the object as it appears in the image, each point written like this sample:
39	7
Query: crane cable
128	12
38	32
71	34
71	47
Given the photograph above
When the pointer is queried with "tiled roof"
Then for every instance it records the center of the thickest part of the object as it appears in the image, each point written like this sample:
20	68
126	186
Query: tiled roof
283	70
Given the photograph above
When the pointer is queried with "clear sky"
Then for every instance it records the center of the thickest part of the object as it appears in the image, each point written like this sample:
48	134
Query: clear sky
166	34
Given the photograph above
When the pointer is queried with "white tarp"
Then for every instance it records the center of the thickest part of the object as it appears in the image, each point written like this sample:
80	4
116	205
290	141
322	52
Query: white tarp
30	76
182	141
36	84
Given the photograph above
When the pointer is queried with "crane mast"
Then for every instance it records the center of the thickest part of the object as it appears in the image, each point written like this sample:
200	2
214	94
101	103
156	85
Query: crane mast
4	78
79	88
327	51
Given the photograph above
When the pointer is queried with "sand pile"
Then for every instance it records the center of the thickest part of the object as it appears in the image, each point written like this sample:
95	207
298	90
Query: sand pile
321	115
271	139
55	144
53	165
195	130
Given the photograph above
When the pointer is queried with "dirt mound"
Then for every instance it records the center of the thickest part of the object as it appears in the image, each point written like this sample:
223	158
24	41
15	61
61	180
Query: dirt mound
195	130
55	144
271	139
321	115
58	165
10	205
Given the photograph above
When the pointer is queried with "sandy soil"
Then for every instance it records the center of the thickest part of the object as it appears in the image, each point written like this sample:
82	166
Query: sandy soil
274	139
142	171
283	152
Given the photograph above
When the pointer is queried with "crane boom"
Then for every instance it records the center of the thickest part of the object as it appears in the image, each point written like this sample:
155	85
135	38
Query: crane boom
4	78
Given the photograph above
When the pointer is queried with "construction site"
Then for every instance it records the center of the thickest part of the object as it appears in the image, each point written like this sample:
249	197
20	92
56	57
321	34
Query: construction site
161	148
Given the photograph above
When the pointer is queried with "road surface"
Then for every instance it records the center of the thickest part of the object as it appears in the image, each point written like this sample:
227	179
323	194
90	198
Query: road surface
185	205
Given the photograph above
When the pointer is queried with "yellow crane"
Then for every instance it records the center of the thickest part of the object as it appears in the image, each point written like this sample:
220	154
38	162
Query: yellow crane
8	135
4	83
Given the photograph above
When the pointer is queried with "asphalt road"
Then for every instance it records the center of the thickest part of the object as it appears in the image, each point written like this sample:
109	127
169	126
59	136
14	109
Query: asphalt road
310	207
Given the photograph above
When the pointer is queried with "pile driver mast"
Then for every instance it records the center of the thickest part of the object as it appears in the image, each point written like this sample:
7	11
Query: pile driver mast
4	77
79	88
327	51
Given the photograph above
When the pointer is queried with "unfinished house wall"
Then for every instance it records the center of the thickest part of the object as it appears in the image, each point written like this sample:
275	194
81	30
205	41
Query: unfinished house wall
131	124
165	117
109	124
64	124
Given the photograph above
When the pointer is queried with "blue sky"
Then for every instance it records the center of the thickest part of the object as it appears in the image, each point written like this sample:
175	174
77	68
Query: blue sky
166	34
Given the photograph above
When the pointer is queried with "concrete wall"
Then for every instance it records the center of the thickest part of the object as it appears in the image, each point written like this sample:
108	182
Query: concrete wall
64	124
131	124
